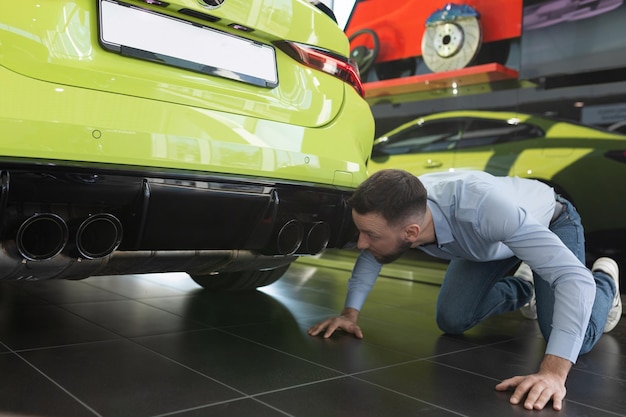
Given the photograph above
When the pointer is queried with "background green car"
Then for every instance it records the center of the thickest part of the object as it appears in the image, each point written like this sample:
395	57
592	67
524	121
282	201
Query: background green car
586	165
217	138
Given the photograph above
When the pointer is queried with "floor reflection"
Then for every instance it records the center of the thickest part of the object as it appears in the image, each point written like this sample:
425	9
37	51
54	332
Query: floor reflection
157	344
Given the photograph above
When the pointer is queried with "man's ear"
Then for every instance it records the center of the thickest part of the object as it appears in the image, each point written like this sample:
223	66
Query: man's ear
412	232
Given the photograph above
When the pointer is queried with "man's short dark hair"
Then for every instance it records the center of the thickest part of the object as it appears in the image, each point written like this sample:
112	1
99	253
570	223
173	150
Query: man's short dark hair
394	194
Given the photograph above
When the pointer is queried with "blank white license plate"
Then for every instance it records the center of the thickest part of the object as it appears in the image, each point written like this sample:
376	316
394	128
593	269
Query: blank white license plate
144	34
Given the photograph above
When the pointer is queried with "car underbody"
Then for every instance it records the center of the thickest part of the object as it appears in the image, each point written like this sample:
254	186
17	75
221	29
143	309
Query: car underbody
75	221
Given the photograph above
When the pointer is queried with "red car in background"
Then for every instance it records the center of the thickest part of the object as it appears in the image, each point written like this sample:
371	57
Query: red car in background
391	32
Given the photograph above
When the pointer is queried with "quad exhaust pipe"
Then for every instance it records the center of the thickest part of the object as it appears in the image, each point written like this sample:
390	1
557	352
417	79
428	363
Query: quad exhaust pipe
45	235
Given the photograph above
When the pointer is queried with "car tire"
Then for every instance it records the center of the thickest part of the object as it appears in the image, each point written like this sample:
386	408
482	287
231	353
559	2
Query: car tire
240	280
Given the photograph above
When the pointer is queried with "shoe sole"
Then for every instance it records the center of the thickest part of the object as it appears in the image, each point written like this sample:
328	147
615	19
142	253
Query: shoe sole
609	267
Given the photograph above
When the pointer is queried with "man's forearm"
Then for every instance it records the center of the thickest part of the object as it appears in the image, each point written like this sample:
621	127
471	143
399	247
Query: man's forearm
361	282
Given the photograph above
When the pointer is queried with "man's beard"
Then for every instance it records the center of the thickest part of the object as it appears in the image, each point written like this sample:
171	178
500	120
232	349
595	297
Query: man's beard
400	250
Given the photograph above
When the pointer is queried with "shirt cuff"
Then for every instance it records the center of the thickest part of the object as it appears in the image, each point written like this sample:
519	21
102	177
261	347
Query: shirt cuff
355	301
564	345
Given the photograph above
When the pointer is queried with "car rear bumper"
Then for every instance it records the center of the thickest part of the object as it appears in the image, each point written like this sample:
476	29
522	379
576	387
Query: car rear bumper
53	122
76	221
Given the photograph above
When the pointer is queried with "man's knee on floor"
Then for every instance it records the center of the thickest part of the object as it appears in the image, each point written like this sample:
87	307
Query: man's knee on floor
452	323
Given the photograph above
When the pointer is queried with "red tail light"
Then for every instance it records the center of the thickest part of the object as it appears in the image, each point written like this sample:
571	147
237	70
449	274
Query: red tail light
326	61
619	156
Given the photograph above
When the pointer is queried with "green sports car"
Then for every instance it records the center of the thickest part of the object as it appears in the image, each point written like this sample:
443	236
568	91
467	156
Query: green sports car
585	165
220	138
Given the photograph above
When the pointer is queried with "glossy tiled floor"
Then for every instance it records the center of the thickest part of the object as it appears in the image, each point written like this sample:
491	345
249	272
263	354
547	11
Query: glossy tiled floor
156	345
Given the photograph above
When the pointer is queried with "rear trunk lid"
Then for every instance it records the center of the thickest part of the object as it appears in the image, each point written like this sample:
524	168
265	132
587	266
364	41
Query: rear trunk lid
126	48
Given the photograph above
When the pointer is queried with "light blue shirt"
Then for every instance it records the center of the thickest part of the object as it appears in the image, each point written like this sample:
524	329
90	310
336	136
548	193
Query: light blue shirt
481	218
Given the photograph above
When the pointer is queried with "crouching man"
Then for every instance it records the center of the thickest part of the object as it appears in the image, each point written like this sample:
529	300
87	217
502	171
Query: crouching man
486	226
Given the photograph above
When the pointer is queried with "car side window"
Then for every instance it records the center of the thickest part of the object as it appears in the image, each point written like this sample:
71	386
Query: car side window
489	132
427	137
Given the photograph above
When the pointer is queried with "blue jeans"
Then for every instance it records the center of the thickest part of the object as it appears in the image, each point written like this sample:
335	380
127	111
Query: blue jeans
472	291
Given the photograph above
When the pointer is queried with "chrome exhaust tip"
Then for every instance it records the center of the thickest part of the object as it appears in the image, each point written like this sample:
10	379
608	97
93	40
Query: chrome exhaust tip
317	238
289	238
98	236
42	236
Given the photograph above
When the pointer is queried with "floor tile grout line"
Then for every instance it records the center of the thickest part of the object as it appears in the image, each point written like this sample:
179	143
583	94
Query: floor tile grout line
304	384
54	382
342	374
122	338
246	395
98	288
144	301
359	372
616	379
272	407
282	352
119	338
424	359
183	317
195	321
35	349
202	407
253	396
204	326
456	368
409	396
566	400
62	307
172	360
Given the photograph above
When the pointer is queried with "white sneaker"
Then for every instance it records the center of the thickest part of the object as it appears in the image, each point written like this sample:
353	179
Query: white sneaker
609	267
529	310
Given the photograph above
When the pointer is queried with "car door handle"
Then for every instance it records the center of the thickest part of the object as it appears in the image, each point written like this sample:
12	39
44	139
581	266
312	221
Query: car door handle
433	164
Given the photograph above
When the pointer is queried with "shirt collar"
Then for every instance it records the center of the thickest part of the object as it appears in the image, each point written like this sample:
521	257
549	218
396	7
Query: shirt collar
443	232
